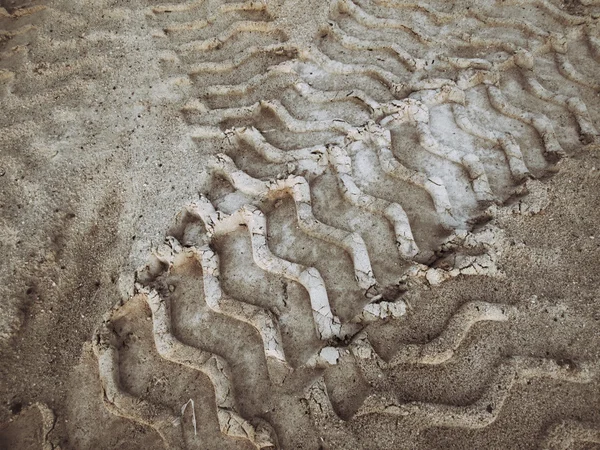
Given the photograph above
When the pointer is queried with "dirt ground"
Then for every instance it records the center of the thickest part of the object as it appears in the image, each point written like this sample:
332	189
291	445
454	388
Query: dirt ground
109	122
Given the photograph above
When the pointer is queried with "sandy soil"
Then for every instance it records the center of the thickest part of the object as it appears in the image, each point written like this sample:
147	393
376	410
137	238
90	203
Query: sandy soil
474	328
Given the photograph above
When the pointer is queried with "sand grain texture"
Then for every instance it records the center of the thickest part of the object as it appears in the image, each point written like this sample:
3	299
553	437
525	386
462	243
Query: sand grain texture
299	225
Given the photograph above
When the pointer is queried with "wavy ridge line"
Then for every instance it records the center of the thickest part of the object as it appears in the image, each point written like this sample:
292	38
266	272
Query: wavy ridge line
337	157
560	15
444	18
279	70
387	78
443	347
314	55
524	61
288	68
470	162
164	258
393	212
571	73
299	189
415	63
477	415
354	43
317	96
254	138
518	24
327	325
474	169
225	8
177	7
486	410
366	19
263	320
587	130
519	56
158	417
324	417
288	50
562	435
434	186
414	110
217	223
476	41
235	29
217	116
551	42
439	17
123	404
294	80
437	351
211	365
539	122
469	64
505	141
407	110
189	30
447	93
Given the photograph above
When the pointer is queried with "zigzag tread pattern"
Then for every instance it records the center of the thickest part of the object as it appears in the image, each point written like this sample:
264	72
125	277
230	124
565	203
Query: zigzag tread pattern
366	99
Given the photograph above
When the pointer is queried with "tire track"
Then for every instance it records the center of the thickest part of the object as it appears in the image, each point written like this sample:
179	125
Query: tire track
242	106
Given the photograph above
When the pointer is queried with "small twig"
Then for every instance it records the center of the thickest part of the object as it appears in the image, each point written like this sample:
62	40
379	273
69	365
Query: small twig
193	414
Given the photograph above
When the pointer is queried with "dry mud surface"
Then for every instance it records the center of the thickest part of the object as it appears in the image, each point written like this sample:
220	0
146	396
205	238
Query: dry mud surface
341	224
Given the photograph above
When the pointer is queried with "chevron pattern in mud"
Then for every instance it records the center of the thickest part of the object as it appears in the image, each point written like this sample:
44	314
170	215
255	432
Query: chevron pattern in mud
349	146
